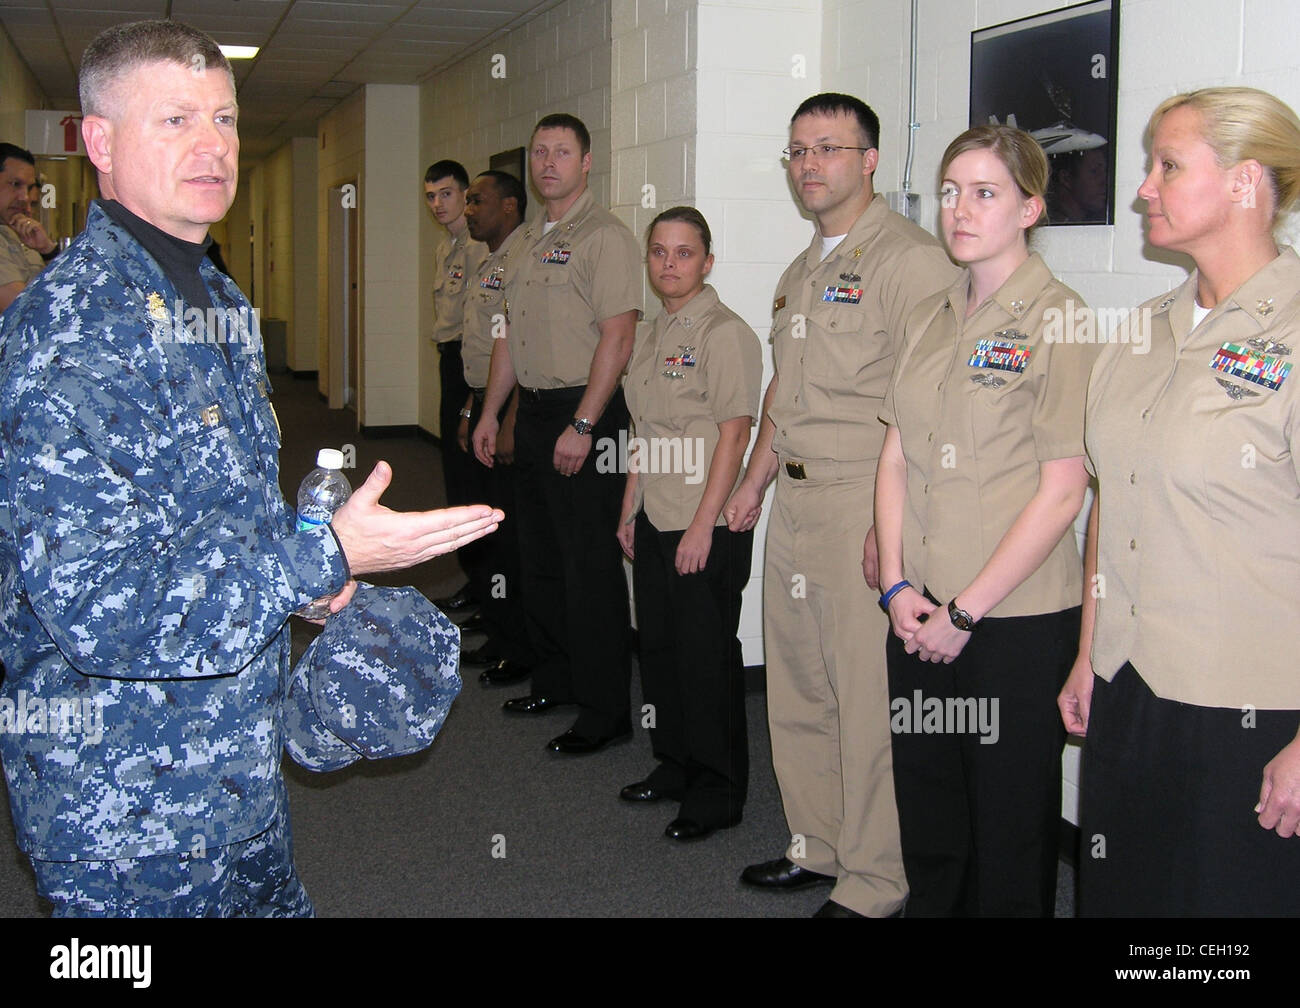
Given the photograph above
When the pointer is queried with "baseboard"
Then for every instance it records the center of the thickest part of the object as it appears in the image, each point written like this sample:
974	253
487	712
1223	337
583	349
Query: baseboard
389	431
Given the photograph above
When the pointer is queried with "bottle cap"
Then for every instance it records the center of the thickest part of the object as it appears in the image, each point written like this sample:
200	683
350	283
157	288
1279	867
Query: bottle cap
329	458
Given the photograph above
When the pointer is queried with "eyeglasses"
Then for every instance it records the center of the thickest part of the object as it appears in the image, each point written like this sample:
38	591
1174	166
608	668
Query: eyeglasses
820	150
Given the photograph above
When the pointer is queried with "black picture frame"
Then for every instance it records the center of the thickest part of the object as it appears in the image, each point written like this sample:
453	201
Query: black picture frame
511	161
1055	76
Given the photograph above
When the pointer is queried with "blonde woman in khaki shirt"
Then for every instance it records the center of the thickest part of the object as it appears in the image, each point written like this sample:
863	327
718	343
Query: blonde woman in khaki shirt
692	391
980	481
1188	688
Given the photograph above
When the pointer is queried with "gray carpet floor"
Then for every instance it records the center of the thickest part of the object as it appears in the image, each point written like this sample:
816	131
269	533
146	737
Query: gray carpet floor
486	822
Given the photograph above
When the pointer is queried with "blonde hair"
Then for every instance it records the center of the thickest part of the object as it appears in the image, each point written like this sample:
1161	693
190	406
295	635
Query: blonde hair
1242	124
1019	152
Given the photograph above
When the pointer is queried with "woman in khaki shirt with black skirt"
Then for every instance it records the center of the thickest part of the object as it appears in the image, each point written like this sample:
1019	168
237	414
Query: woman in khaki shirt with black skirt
1189	689
980	481
692	390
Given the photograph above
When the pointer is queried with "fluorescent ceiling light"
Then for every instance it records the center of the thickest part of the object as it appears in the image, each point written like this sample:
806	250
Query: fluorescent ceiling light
238	51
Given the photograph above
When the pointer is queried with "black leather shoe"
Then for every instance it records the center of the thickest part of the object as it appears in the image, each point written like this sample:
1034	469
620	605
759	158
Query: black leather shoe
474	624
456	603
485	655
503	673
686	830
783	874
644	791
573	744
832	909
530	705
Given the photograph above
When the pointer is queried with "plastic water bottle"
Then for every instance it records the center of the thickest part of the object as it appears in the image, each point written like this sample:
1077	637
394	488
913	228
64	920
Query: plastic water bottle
324	490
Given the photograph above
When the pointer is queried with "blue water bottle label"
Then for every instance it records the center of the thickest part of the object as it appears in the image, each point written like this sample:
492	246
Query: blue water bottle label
305	523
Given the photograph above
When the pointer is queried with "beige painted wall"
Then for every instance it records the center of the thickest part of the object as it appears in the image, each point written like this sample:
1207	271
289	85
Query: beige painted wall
18	93
340	154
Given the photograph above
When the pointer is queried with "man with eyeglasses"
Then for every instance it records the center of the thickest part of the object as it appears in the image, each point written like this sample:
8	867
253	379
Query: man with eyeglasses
838	320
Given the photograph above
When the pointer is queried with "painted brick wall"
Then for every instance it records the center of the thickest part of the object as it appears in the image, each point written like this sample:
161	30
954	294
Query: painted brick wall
560	61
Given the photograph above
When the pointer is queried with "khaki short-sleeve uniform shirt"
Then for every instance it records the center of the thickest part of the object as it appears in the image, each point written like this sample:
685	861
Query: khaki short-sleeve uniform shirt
456	259
487	308
586	269
979	404
1194	446
837	326
18	263
697	368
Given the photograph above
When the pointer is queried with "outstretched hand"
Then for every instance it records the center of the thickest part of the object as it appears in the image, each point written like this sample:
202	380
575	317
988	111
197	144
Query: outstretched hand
376	538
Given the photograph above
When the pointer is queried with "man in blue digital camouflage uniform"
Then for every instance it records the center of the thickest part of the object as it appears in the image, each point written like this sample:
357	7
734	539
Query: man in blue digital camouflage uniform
148	562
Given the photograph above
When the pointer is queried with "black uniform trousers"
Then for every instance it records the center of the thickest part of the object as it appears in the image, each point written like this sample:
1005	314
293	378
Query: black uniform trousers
456	473
1167	826
497	582
692	671
978	785
575	590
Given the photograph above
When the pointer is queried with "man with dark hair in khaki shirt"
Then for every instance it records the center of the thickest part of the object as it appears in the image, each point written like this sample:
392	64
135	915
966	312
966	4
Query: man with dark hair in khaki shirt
25	248
574	304
455	259
495	207
839	315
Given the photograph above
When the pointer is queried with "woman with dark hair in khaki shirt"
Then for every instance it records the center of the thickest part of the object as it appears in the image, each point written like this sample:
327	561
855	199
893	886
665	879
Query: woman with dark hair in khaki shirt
692	389
1188	688
979	484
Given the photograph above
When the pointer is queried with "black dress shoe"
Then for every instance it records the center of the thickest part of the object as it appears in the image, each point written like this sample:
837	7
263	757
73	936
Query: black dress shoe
832	909
474	624
783	874
686	830
573	744
485	655
530	705
644	791
456	603
503	673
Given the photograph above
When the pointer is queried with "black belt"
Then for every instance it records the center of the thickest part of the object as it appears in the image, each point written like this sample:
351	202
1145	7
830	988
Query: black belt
572	393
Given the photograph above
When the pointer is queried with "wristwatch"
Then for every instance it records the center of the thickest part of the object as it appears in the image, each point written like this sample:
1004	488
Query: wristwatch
960	617
581	424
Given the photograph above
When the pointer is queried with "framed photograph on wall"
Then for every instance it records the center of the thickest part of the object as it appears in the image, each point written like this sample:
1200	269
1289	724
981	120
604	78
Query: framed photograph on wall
1053	75
511	161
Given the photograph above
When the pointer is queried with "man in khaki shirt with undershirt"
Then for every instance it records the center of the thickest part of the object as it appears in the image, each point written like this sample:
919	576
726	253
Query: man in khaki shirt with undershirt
839	314
495	207
574	305
456	258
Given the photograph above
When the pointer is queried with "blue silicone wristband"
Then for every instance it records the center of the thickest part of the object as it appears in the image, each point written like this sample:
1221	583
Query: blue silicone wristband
888	596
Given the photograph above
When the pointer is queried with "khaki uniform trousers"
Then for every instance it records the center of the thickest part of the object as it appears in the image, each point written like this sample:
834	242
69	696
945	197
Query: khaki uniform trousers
828	689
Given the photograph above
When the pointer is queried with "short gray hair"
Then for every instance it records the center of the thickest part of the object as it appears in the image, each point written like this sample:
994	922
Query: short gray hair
117	51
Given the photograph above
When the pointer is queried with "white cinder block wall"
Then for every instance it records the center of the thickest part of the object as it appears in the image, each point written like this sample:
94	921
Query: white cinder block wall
560	61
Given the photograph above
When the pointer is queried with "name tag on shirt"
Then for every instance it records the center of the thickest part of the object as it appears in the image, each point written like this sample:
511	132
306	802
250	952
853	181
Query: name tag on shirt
1241	362
843	295
557	256
1000	355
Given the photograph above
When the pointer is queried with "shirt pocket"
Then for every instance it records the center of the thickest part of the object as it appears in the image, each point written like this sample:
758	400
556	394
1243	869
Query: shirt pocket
212	467
842	341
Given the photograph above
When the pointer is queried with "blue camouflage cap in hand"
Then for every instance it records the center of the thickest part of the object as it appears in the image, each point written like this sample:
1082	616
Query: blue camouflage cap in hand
377	682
